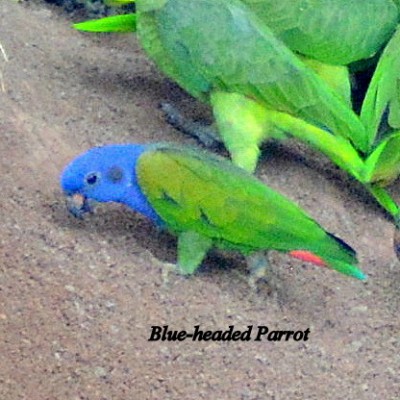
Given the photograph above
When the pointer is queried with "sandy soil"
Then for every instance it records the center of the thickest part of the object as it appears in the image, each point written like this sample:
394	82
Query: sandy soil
78	298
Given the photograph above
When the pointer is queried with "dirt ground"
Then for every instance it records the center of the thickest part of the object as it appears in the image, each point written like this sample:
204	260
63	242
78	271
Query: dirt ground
78	298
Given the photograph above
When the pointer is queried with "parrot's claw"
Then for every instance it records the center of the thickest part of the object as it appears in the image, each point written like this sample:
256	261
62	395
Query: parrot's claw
166	267
205	134
255	278
258	266
166	270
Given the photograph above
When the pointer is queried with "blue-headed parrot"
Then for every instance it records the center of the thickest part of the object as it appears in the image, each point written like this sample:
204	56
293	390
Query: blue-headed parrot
205	200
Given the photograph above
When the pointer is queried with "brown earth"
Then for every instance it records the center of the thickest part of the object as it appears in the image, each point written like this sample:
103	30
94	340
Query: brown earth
78	298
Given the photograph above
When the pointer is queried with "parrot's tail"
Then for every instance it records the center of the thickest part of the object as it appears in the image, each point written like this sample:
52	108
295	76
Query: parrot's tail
307	256
343	246
341	257
338	265
346	268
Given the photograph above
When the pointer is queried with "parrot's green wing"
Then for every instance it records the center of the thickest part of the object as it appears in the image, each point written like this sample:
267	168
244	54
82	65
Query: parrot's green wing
221	45
207	195
150	39
332	31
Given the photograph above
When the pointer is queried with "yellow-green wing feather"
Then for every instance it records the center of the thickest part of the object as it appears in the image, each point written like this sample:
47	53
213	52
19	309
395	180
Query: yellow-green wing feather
195	192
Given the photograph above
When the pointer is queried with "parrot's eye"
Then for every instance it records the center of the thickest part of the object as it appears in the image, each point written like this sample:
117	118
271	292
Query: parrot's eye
92	178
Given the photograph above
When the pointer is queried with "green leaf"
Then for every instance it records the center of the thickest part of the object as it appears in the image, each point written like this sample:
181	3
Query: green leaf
383	165
385	200
115	23
394	108
118	3
383	89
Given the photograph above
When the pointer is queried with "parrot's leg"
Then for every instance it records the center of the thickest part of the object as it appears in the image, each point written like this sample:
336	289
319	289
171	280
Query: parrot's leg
337	148
205	134
258	265
192	248
243	125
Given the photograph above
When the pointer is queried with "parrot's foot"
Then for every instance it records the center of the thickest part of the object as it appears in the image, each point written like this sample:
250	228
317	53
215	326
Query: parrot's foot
166	267
205	134
258	266
245	158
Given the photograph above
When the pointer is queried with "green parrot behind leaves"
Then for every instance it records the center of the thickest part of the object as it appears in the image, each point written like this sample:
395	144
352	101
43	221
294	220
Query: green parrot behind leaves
204	199
235	62
231	54
258	88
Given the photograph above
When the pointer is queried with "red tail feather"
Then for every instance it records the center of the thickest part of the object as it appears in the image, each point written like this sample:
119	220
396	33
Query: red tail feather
307	256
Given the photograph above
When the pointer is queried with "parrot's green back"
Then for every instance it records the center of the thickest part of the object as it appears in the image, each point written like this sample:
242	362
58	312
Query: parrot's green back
206	194
152	41
208	45
332	31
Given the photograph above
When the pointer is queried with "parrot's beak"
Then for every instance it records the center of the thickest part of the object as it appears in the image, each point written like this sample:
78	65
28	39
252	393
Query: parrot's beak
78	205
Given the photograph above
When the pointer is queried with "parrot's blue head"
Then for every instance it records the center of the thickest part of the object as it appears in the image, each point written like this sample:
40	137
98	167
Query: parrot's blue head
105	174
